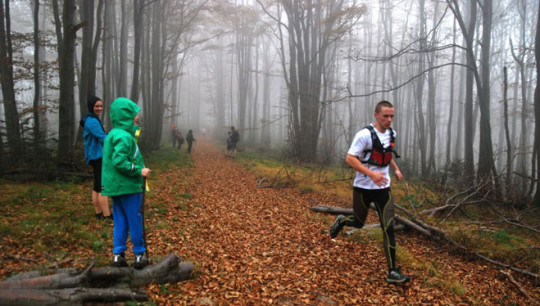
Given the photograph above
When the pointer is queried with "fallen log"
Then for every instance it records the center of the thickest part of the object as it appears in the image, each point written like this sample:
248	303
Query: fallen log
55	281
106	284
169	270
332	210
68	296
428	230
417	226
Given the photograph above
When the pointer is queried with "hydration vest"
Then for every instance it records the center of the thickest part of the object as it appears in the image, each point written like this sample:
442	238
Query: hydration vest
380	156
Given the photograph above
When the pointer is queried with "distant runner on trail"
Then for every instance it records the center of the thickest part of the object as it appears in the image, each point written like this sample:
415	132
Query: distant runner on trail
190	139
174	134
123	172
370	155
229	145
235	138
180	140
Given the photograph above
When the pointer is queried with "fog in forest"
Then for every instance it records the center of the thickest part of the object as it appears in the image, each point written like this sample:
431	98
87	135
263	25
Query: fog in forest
298	78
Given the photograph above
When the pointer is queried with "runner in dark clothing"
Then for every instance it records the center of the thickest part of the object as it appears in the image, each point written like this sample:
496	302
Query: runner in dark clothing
190	139
180	140
235	138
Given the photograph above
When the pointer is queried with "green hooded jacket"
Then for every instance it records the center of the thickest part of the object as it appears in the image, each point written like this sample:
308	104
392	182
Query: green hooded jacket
122	160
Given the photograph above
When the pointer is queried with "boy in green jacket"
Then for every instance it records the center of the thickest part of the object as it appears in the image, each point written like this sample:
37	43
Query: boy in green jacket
122	179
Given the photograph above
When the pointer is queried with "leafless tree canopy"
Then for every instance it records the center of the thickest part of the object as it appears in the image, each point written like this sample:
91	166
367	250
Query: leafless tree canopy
299	76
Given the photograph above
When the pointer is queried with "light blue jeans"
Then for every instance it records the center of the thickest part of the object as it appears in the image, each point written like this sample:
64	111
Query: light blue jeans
128	219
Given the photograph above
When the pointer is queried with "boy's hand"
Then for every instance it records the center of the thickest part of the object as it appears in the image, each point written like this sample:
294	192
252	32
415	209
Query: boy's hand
145	172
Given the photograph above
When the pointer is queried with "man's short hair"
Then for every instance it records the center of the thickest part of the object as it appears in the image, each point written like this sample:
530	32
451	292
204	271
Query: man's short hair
382	104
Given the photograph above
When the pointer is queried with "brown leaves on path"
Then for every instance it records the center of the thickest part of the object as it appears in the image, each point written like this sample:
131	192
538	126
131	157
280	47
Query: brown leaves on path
264	246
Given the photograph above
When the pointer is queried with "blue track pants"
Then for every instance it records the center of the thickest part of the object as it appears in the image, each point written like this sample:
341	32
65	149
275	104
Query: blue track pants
128	219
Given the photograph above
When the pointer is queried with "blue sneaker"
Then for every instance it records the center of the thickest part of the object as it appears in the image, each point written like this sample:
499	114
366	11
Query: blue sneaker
337	226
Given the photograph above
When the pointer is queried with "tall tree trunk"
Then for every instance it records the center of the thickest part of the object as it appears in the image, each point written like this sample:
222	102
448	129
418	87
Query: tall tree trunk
451	110
486	163
509	148
87	18
220	95
265	133
536	199
123	56
311	32
8	89
138	9
37	80
108	63
432	93
95	47
468	31
244	40
67	75
421	131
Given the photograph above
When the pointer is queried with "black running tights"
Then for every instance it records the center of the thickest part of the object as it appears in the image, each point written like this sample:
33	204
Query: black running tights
384	204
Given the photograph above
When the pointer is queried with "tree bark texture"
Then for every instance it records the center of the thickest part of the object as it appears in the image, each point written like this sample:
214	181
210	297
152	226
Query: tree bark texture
536	200
8	89
107	284
309	40
427	230
67	82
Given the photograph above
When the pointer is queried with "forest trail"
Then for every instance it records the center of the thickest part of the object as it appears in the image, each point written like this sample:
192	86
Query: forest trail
264	246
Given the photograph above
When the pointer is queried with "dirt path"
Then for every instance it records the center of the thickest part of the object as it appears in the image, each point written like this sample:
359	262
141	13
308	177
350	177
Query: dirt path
261	246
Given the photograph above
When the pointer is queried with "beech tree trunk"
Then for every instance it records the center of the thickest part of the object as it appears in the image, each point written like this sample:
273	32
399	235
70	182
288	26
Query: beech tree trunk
536	200
67	81
8	90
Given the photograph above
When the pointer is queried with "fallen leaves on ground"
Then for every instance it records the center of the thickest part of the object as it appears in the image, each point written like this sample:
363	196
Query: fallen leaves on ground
258	246
264	246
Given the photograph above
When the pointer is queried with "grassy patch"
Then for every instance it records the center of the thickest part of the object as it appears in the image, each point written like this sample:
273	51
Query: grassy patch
55	221
167	157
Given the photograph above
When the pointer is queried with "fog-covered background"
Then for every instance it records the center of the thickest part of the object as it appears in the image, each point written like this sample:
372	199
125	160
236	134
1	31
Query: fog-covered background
296	77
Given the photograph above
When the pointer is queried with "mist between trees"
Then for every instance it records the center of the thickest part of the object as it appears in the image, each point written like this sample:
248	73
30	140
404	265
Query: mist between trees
297	76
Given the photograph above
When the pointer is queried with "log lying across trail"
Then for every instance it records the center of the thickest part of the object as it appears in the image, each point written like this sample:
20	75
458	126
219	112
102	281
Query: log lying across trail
107	284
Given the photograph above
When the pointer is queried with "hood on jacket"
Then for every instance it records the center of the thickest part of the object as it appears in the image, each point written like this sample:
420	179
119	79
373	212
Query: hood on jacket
122	113
91	102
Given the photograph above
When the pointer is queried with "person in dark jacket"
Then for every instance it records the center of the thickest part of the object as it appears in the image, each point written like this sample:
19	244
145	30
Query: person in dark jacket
235	138
123	172
190	139
94	136
174	134
180	140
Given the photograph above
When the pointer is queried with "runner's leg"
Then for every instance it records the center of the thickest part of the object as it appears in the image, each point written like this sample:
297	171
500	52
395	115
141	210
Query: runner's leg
384	205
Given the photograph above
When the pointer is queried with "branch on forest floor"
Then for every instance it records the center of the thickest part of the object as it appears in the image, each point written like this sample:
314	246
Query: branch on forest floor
427	230
15	257
276	181
521	290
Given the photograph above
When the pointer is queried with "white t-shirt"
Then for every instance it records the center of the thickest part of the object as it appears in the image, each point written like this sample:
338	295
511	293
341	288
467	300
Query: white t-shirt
361	142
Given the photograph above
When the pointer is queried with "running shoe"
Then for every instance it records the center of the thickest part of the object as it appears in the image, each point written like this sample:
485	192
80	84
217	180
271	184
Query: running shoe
119	260
336	226
396	277
141	261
